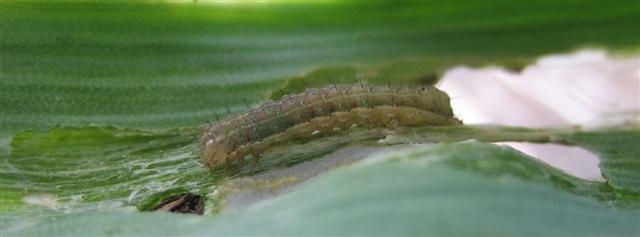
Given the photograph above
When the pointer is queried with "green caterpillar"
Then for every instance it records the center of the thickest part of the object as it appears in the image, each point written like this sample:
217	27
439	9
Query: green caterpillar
322	110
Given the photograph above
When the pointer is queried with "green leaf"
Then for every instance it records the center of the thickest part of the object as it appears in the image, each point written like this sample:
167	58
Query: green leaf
87	168
434	190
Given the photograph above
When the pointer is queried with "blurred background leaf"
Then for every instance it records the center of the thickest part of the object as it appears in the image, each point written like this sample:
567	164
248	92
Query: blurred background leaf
171	64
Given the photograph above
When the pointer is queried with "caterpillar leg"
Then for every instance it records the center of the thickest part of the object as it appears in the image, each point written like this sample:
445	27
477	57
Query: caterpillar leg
241	161
227	168
255	157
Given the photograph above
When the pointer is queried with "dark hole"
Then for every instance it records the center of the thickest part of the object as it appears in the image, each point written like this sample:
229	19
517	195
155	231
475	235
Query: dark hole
182	203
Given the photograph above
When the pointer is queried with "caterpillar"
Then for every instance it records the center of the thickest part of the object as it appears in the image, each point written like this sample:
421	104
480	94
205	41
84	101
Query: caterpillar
321	111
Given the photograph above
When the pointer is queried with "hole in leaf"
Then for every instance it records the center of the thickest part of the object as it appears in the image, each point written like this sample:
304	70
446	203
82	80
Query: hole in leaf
182	203
573	160
589	88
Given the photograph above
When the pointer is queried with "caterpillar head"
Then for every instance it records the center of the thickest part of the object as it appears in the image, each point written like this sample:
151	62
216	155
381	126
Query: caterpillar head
216	152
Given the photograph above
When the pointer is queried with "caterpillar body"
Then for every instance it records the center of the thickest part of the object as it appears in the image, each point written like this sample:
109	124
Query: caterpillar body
322	111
